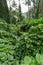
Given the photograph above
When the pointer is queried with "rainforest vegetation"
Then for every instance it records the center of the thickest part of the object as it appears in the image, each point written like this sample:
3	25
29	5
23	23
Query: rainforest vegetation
21	34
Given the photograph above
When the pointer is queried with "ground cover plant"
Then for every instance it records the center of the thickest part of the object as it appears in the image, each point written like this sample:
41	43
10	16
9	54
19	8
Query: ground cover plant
21	43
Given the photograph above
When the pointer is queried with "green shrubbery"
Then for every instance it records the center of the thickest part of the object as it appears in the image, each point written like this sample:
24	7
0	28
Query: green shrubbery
21	48
38	60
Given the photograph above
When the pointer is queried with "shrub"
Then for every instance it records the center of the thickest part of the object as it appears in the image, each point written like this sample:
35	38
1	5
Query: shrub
19	49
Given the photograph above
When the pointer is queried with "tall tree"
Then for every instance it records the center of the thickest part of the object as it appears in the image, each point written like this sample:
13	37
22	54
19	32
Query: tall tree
4	12
11	11
20	14
36	4
41	9
28	2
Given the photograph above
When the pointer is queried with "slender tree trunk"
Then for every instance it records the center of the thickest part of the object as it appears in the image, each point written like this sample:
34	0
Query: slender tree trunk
36	4
20	14
4	12
37	9
29	3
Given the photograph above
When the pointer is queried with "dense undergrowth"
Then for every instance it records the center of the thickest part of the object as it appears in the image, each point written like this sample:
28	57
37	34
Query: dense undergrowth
20	46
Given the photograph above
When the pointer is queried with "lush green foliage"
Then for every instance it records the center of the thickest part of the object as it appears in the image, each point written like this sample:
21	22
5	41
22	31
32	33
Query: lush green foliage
31	61
18	47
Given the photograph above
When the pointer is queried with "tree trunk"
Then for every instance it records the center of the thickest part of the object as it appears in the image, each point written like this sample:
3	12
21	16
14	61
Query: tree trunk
20	14
36	4
4	12
37	9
